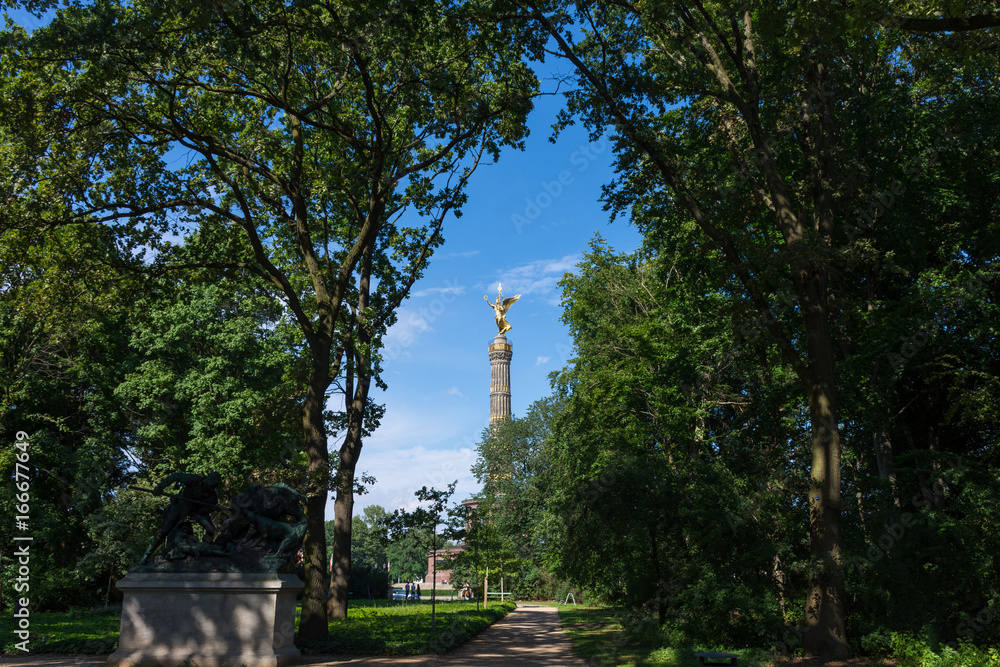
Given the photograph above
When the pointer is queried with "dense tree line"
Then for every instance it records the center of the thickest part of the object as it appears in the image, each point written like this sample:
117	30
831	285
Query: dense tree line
119	377
795	369
669	472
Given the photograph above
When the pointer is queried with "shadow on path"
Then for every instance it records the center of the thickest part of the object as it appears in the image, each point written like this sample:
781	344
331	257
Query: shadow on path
529	635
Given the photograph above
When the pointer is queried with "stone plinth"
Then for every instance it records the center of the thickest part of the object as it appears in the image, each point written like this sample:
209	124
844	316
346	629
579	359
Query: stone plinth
208	619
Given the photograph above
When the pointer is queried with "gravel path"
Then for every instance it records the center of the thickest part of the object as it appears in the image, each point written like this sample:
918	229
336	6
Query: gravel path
529	635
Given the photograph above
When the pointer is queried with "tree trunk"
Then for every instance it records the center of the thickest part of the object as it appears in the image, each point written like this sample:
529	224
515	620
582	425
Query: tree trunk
357	385
778	573
825	633
860	496
886	468
343	506
340	578
314	623
434	579
661	589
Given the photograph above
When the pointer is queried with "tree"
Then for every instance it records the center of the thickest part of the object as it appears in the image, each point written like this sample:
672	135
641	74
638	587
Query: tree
370	543
299	135
214	385
485	551
674	445
513	465
120	531
369	557
423	522
407	557
63	350
738	121
114	378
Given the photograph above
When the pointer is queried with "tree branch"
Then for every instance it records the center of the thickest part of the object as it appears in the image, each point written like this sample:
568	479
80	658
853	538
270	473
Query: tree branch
944	24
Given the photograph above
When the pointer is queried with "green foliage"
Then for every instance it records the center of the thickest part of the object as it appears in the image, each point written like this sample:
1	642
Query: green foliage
215	384
370	536
369	581
421	524
791	167
119	533
662	423
508	524
796	350
63	350
679	451
913	651
316	146
407	559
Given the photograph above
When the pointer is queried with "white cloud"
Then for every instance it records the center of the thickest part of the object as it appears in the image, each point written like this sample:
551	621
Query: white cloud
542	360
410	325
415	446
463	255
399	471
455	289
454	392
561	266
539	278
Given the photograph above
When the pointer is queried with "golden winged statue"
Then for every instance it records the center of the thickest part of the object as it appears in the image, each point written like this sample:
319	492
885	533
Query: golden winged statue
500	309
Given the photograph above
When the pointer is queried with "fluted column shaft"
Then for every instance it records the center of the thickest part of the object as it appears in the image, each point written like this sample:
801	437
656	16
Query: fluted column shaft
500	355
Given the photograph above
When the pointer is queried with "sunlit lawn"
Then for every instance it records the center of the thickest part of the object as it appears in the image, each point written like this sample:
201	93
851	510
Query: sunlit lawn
372	628
80	631
598	637
400	627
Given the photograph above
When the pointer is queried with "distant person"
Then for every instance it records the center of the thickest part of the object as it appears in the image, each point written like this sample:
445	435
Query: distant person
407	589
418	591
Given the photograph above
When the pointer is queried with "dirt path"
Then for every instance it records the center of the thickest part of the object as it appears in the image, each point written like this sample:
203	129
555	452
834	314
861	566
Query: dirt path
529	635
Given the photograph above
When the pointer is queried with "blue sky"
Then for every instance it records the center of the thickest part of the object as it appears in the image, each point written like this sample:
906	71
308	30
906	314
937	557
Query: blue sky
529	219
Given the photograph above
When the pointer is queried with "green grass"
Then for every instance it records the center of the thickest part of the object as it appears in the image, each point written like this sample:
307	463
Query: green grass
599	638
384	627
93	631
379	627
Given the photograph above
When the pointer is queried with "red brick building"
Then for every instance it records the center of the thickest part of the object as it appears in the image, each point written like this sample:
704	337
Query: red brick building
441	574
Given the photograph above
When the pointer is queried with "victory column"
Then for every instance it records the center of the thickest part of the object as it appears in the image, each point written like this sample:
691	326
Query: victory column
500	355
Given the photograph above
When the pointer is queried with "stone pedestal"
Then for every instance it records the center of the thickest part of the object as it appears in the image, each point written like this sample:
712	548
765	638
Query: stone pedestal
213	619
